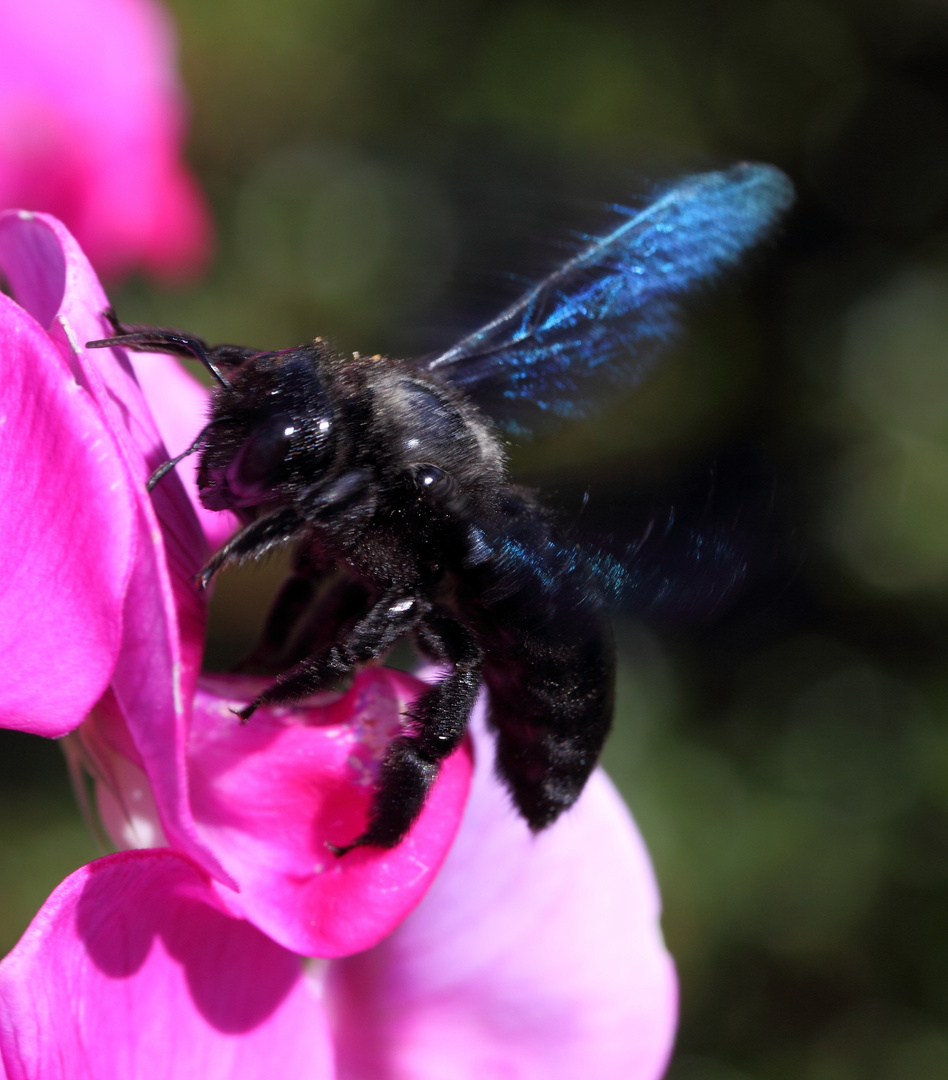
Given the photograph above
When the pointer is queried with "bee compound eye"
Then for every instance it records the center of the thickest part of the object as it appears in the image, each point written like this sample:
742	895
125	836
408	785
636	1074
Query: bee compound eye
433	482
258	461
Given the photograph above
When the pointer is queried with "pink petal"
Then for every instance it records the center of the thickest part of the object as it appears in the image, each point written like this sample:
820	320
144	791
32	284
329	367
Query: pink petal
267	796
165	612
529	957
131	969
67	521
180	238
125	803
91	125
34	263
179	404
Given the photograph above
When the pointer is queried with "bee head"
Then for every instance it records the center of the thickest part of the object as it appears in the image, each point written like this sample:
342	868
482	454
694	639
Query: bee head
271	433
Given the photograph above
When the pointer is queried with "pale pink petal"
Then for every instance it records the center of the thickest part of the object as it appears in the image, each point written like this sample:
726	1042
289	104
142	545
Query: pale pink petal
125	803
165	611
267	796
66	517
131	969
91	125
529	959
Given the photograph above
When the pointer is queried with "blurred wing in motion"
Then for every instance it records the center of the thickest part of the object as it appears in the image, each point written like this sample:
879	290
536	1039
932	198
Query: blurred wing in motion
681	573
597	322
689	547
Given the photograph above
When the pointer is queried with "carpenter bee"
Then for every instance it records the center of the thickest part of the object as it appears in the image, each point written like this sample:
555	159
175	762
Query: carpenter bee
390	477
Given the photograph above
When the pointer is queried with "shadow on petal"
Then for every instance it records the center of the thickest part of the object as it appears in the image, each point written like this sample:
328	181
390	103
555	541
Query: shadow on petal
187	928
131	969
119	917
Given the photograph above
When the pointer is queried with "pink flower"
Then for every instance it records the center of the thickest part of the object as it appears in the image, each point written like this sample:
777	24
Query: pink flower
91	125
252	805
526	957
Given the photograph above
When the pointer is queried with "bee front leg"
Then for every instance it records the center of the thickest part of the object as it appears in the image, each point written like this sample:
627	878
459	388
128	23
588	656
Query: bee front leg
278	527
313	609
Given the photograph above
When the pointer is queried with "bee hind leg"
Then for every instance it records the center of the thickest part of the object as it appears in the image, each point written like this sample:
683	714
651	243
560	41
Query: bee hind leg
439	717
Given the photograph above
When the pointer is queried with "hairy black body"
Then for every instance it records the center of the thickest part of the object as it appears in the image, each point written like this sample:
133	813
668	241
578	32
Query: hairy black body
394	488
392	483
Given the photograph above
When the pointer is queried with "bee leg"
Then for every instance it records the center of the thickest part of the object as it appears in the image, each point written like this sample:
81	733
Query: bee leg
439	716
390	618
254	540
313	609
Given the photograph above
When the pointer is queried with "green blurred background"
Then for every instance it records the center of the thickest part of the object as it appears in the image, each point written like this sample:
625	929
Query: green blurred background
388	174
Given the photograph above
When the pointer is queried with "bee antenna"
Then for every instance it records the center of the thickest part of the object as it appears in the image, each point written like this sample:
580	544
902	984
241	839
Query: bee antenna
162	471
200	352
149	340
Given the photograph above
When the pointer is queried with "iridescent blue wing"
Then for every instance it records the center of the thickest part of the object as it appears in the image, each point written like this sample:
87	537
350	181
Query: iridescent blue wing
598	321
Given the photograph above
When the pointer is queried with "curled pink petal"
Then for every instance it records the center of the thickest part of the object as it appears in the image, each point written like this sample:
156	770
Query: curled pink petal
268	795
132	969
67	522
171	611
530	957
91	125
34	264
165	613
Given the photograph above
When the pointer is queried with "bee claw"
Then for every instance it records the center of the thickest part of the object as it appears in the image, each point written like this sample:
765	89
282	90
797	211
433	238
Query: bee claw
344	849
246	712
204	578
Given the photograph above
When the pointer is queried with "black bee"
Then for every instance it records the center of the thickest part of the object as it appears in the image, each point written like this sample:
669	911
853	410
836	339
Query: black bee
390	477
